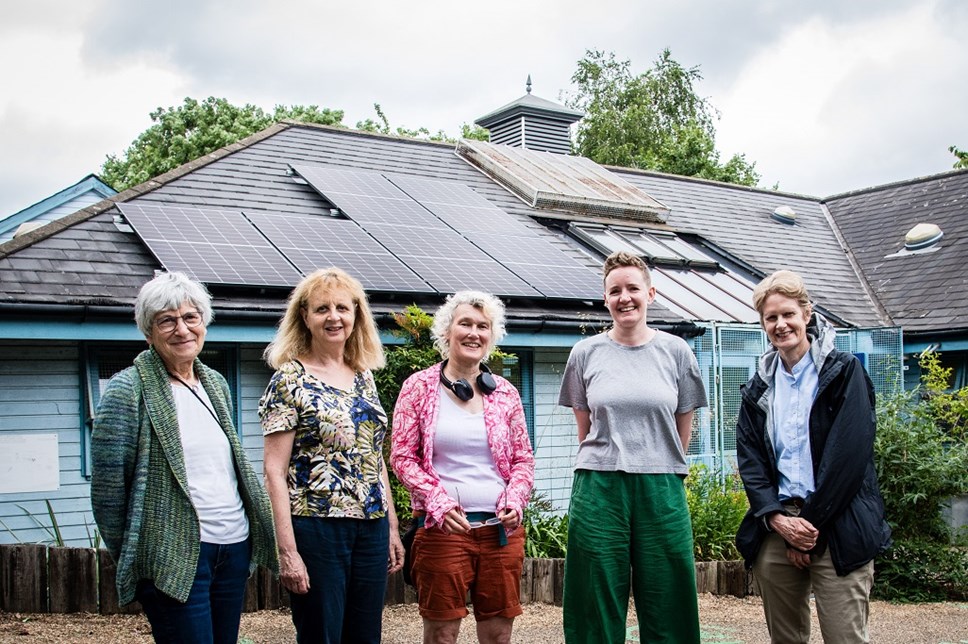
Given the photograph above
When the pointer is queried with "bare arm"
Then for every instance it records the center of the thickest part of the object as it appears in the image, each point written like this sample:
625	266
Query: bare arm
584	420
278	452
684	428
396	546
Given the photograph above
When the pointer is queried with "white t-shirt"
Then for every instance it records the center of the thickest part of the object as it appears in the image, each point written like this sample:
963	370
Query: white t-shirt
211	473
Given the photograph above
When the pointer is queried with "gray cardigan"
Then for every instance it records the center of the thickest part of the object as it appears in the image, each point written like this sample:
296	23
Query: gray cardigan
139	488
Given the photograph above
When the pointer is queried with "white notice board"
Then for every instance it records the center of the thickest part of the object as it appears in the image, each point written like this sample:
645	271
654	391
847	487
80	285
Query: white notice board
29	463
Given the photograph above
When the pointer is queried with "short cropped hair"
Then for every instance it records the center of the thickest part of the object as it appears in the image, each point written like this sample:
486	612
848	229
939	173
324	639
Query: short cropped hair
170	291
621	259
490	306
293	339
785	283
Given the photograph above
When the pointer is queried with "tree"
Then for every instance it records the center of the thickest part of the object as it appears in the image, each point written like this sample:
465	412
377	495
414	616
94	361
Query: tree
961	155
194	129
653	121
382	126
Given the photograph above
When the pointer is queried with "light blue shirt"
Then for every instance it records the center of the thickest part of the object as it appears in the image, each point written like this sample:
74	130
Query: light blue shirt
793	397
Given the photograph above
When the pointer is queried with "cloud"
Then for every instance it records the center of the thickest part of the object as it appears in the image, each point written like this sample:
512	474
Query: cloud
829	107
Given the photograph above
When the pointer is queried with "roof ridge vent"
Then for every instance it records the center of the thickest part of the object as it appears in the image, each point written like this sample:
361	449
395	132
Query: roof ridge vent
784	215
922	236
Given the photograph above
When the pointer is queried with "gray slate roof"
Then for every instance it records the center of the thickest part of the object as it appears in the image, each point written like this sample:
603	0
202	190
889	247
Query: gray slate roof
738	220
84	259
923	291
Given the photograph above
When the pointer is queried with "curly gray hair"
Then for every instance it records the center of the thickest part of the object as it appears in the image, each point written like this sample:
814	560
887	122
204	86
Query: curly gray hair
490	306
169	291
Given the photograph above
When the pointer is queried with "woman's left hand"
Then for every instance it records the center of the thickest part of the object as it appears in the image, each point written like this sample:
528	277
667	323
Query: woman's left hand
396	552
509	518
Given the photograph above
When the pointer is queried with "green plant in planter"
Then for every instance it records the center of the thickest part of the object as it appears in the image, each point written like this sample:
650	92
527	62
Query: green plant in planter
546	532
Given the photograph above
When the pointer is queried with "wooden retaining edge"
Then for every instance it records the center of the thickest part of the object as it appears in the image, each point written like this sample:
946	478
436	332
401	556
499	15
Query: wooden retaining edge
39	579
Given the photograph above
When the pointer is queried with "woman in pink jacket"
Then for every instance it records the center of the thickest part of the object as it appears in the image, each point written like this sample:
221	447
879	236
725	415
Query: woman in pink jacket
460	445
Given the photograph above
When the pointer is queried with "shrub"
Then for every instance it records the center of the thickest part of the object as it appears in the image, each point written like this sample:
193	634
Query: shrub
921	461
717	505
546	532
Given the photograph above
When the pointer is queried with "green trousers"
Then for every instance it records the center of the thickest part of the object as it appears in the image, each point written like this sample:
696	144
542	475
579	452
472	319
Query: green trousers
621	523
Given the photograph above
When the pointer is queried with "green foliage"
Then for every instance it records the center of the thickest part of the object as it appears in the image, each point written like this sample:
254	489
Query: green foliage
919	570
653	121
416	353
948	408
475	132
382	126
716	508
194	129
961	157
919	466
546	533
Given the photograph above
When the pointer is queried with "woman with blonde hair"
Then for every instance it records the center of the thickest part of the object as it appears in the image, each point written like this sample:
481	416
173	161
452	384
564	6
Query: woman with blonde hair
324	429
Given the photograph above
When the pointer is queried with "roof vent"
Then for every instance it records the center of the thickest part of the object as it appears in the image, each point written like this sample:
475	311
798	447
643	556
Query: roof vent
785	215
533	123
922	236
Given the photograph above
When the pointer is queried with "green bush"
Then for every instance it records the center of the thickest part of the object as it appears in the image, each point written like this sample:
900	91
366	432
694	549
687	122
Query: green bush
546	532
716	507
921	462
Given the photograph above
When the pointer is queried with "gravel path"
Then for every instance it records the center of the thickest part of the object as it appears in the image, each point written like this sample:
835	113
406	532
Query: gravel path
725	620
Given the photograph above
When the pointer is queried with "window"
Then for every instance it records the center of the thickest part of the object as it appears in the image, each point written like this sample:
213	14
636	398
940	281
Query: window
516	368
101	362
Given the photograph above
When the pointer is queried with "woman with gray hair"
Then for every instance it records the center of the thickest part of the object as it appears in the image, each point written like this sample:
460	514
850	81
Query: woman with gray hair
461	447
179	507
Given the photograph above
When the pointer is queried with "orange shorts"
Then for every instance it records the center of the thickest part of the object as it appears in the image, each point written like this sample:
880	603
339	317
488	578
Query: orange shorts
446	566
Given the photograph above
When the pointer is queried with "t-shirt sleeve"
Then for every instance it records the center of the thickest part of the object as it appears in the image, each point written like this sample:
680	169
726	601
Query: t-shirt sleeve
573	392
692	391
277	409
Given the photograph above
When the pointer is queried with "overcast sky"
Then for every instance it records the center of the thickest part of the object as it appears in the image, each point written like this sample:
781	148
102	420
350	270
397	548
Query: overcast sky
825	96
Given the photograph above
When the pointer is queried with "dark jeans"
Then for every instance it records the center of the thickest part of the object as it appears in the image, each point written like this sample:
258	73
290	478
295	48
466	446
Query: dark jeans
347	563
214	607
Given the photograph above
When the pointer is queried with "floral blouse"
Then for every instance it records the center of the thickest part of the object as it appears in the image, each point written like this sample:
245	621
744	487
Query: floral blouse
336	464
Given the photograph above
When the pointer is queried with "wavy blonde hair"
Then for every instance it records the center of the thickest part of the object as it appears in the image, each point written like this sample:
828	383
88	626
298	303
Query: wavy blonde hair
293	339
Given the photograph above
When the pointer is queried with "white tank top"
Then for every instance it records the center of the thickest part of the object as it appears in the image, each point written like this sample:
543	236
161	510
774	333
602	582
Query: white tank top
463	460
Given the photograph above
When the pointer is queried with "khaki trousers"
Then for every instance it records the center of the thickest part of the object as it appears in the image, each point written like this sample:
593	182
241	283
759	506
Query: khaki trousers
842	602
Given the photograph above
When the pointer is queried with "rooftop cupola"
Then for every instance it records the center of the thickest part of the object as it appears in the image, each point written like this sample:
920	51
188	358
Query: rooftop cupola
532	123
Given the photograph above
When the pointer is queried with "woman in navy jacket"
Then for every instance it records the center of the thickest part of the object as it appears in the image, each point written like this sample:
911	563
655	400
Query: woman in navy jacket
805	449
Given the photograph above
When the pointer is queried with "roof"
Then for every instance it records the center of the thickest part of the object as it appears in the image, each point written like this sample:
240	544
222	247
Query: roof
530	104
926	290
738	221
86	260
85	192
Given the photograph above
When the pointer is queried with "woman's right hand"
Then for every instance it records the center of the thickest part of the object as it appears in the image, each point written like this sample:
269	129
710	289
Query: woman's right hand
293	573
455	522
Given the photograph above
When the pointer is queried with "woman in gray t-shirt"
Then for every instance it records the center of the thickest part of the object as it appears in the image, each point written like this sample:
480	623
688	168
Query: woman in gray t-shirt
633	391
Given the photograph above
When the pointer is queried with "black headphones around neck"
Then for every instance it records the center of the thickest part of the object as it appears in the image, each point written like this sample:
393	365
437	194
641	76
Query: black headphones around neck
463	389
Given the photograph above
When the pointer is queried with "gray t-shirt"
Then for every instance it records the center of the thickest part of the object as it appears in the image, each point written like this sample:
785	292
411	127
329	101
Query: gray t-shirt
633	395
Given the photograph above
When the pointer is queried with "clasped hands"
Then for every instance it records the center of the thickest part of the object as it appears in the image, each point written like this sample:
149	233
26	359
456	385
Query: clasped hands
455	521
799	534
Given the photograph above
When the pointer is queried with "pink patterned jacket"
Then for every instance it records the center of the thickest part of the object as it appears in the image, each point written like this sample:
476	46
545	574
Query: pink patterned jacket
412	454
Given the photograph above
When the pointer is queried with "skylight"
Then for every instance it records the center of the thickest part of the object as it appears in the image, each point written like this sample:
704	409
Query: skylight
561	182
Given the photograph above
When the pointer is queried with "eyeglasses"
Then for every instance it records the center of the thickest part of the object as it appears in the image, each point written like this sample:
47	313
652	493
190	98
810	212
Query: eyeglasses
169	323
487	522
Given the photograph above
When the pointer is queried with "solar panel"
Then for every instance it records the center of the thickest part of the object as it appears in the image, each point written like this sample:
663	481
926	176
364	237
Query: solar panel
312	242
213	246
536	260
429	246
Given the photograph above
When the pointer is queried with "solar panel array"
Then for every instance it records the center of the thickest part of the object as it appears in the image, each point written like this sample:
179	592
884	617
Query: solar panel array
534	259
210	245
433	249
403	235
